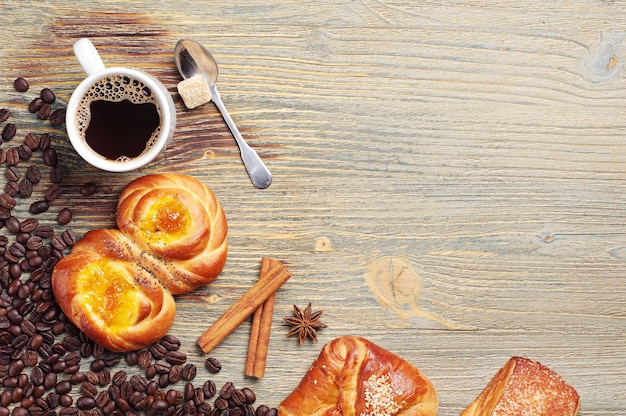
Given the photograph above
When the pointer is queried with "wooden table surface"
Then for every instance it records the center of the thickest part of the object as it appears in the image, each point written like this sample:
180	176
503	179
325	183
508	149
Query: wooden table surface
449	176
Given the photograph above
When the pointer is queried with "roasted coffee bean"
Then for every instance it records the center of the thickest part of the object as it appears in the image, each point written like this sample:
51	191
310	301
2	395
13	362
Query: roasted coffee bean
175	374
135	398
209	389
158	351
123	404
85	403
32	140
13	157
159	406
20	84
175	357
119	377
131	358
50	157
4	115
71	359
227	389
88	389
102	399
97	365
174	397
138	382
12	224
52	192
164	380
249	395
7	201
162	366
189	372
188	391
66	400
221	403
47	95
111	359
34	262
69	237
198	396
29	225
17	249
15	368
26	187
144	359
88	189
104	377
50	380
44	141
8	132
12	188
238	397
39	207
37	376
44	111
262	410
35	105
24	151
170	342
213	365
15	271
57	117
56	174
13	173
30	358
71	343
5	214
33	173
44	231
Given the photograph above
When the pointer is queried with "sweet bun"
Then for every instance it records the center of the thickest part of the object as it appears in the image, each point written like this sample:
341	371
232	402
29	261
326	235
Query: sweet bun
117	284
353	376
525	387
177	219
116	303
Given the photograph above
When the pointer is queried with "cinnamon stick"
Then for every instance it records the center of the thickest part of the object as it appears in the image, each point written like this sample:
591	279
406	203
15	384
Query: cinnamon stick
244	307
260	331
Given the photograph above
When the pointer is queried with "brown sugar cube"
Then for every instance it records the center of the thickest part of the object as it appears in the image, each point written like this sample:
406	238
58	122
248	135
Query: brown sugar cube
194	91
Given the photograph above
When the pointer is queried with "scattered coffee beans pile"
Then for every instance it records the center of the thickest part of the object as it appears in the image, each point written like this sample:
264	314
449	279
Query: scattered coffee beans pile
47	365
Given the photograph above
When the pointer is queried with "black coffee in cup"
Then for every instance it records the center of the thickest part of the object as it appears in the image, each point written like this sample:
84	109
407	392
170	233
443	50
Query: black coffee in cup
118	117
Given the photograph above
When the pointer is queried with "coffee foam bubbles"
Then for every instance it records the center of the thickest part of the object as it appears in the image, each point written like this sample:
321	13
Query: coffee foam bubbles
116	88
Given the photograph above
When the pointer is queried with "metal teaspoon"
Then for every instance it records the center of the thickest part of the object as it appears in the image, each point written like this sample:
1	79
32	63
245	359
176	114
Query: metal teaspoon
191	59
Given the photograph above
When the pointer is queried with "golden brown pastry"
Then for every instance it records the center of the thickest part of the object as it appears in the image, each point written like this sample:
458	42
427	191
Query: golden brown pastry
178	219
116	303
525	387
117	284
354	377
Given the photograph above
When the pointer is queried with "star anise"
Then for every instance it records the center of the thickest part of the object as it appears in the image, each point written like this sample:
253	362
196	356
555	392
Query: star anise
305	323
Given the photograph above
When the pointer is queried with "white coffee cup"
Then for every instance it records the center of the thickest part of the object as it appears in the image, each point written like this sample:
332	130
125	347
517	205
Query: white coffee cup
120	94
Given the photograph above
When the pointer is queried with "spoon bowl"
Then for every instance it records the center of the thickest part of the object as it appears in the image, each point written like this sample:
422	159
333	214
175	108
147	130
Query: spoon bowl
192	59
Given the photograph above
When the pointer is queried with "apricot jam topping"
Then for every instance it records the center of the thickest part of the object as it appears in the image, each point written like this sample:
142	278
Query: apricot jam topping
166	220
108	295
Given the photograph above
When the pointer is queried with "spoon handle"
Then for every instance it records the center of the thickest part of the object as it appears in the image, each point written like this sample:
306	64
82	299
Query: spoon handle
258	172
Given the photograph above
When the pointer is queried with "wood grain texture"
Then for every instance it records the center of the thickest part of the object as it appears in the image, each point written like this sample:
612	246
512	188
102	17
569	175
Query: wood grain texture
476	148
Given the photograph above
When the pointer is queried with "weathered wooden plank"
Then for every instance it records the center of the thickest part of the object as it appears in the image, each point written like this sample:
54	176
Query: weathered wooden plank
475	147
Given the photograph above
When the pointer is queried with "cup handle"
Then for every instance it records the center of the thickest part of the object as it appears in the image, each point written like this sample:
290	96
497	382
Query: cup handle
88	56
